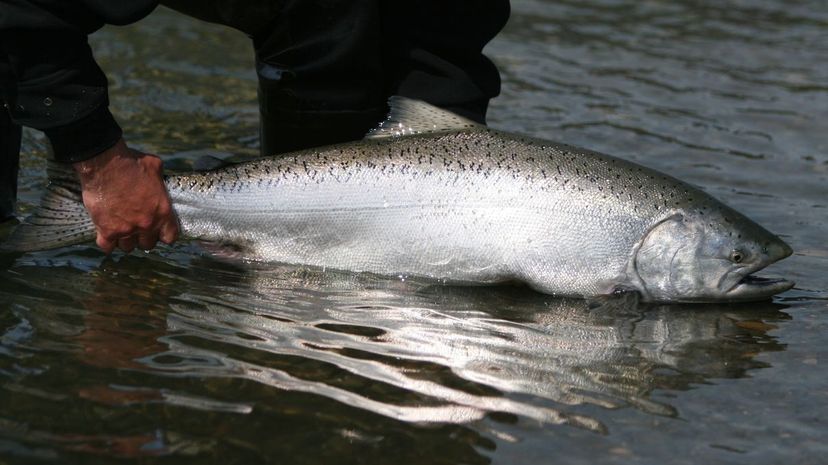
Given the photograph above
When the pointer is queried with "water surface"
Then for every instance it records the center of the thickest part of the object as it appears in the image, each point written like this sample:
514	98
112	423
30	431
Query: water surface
177	357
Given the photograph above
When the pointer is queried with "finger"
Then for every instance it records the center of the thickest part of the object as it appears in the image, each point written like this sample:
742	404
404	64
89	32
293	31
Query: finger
127	244
169	231
106	245
147	240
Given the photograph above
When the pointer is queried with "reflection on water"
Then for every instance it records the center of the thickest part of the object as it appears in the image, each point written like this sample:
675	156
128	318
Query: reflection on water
211	338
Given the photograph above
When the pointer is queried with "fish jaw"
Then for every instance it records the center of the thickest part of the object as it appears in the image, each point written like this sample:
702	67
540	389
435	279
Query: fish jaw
752	288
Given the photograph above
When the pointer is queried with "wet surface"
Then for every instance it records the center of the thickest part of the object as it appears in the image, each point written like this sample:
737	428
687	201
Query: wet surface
177	357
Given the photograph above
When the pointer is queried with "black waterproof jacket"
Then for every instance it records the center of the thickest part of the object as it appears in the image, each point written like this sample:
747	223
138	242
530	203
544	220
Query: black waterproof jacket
48	77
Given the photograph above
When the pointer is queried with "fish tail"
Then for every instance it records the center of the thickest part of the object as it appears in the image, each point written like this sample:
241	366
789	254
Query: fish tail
60	220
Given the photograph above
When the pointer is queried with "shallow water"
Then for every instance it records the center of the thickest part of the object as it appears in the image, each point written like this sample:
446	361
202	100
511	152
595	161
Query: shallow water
176	357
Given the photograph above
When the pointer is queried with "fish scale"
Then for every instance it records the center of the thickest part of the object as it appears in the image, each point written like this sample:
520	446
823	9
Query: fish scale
433	195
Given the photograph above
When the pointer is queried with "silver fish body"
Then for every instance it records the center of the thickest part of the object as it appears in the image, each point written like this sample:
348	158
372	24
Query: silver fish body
464	203
472	206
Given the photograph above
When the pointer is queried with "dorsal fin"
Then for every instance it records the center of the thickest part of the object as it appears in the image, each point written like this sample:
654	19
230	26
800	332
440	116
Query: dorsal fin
408	116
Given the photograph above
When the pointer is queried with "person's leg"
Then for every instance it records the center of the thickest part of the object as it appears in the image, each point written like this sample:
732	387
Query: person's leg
318	63
433	51
9	160
327	67
321	79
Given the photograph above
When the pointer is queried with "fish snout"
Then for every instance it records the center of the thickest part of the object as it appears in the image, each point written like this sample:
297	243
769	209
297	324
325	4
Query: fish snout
777	249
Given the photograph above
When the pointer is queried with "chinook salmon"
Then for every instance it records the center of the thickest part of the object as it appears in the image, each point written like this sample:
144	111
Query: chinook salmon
431	194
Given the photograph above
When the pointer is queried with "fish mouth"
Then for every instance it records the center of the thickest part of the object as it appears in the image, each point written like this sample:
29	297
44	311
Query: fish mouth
758	288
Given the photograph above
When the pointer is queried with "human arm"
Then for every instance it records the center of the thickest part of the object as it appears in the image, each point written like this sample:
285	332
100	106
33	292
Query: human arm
52	81
55	85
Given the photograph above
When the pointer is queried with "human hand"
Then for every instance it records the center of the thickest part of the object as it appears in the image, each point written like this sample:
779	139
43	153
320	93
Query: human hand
124	192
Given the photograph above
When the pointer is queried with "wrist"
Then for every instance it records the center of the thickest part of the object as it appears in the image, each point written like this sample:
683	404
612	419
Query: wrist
88	169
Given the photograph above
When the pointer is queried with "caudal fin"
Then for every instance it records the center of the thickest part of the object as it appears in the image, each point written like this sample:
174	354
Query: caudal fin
60	220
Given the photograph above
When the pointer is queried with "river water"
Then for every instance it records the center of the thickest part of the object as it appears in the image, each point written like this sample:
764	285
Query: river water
176	357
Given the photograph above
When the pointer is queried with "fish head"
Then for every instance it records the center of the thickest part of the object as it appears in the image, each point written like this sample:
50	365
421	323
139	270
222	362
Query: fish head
697	257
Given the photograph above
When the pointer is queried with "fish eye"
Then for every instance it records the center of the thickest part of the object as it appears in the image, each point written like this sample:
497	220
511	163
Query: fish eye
737	256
